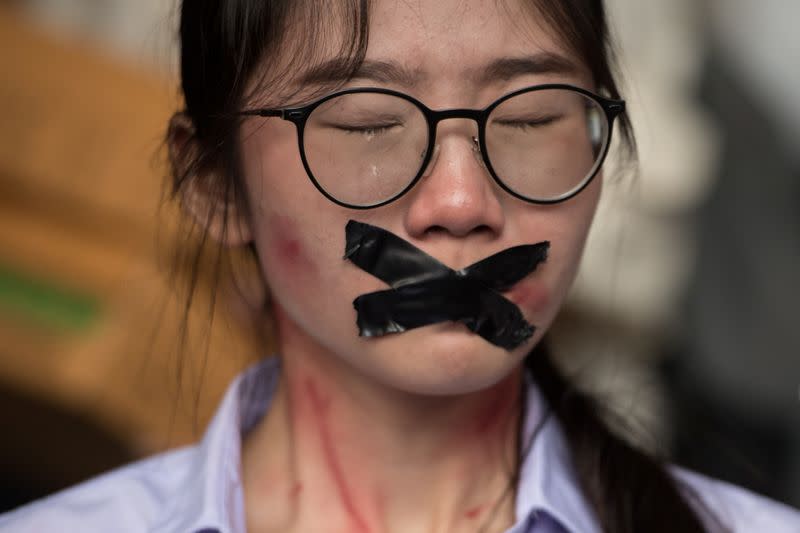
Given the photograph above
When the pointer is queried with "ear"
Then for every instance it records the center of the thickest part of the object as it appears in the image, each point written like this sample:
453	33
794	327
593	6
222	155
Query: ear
203	193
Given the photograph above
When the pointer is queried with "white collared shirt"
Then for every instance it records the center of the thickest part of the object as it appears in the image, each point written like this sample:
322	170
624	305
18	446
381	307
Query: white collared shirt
198	489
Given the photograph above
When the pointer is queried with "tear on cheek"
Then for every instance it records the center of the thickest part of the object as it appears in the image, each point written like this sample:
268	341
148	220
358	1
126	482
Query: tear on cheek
288	249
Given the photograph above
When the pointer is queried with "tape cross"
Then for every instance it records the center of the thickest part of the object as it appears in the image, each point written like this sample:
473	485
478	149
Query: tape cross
424	291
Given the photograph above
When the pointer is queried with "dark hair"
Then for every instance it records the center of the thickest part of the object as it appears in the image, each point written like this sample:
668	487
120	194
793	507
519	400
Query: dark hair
225	43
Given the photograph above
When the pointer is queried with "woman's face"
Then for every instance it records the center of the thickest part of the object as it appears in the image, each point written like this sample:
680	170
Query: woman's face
455	213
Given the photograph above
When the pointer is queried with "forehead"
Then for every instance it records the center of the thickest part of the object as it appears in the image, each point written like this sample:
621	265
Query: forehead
472	24
425	46
458	40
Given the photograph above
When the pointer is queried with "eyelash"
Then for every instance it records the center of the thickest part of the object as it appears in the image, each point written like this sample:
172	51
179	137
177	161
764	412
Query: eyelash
523	124
366	130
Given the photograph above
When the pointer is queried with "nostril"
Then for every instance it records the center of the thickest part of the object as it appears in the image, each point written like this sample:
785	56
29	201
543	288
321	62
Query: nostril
436	230
483	231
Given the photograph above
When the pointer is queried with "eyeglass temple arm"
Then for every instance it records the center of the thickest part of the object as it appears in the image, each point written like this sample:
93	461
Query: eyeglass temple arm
263	112
615	107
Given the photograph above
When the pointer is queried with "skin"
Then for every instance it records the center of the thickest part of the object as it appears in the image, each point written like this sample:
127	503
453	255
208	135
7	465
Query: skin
415	432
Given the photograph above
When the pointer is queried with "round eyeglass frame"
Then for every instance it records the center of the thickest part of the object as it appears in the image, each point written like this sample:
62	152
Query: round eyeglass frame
299	116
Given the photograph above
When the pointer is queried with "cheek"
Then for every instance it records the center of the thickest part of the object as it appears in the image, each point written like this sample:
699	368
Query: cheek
292	221
575	217
567	226
286	250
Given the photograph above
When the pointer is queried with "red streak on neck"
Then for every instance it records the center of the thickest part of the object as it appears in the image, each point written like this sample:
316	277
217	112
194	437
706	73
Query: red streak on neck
295	491
499	408
321	409
474	512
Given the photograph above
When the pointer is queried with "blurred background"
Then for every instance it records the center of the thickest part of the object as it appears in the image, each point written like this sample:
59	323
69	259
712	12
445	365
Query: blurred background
683	318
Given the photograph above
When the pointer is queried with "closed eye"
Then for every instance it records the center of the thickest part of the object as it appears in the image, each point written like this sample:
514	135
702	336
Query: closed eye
528	123
366	129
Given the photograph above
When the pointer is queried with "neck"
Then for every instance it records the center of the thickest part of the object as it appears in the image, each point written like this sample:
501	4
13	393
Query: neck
338	452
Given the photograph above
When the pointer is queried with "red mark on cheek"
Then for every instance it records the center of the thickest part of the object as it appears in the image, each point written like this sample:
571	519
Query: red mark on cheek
321	408
288	247
290	250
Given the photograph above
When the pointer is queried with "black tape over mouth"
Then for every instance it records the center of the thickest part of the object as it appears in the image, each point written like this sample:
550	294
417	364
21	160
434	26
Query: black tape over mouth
424	291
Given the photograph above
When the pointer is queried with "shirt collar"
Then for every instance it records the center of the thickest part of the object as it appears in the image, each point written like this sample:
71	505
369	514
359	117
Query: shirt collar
213	498
548	483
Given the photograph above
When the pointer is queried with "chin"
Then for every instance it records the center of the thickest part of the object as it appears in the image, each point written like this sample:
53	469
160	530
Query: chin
441	360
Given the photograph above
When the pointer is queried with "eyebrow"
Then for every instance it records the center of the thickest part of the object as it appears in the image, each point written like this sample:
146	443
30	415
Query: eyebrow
508	68
390	72
339	70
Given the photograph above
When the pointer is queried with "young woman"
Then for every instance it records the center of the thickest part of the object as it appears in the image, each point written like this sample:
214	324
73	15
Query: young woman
416	180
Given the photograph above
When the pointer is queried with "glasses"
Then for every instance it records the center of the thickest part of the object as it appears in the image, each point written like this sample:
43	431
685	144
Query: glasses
363	148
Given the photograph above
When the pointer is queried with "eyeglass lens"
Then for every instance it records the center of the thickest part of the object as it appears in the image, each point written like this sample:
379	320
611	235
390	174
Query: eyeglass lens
366	148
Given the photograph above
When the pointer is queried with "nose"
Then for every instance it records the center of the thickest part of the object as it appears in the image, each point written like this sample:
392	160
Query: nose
456	195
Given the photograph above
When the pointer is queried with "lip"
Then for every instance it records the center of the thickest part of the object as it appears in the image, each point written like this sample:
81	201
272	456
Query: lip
529	295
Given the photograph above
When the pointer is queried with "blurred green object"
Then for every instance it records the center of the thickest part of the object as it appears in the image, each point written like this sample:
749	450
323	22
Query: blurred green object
45	303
